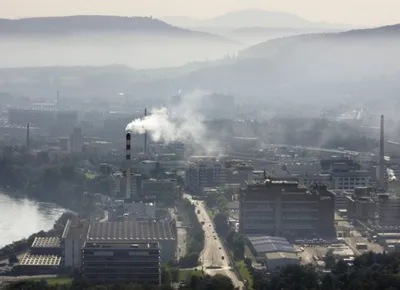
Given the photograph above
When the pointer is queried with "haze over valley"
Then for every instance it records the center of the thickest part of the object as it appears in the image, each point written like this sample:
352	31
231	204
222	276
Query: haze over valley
240	145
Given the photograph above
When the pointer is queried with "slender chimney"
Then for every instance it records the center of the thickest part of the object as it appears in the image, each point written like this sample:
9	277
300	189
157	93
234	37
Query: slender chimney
58	100
27	138
382	183
128	162
145	135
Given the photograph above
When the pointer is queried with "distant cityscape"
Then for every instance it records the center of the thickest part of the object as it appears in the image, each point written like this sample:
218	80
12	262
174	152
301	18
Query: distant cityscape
293	204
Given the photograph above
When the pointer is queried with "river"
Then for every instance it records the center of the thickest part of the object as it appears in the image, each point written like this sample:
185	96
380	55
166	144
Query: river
19	218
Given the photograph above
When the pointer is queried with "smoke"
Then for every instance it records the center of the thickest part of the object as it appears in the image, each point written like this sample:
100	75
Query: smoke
181	122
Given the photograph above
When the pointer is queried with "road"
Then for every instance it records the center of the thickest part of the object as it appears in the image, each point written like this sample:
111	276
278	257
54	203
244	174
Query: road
213	258
181	235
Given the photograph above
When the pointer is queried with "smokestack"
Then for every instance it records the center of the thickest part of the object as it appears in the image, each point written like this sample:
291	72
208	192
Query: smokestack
382	183
145	135
27	138
58	100
128	169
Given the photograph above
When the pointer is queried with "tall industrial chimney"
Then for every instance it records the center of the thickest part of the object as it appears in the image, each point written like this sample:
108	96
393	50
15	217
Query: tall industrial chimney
145	135
128	165
382	183
58	100
28	138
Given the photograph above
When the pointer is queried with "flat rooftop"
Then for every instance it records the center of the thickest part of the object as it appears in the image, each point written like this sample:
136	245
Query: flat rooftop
266	244
40	260
124	245
139	230
46	242
281	255
75	229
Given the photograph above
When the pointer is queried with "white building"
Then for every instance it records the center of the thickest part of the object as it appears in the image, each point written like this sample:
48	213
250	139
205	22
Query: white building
72	241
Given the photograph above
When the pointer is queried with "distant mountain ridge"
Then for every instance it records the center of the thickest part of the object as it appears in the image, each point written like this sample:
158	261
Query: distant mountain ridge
266	49
93	24
252	18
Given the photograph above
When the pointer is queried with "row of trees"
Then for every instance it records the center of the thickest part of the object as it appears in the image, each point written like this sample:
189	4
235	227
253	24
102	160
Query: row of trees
40	177
218	201
369	272
217	282
195	234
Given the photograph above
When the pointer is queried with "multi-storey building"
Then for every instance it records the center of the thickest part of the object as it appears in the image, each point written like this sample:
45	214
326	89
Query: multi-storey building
137	231
350	179
280	207
162	190
122	261
309	180
202	172
389	210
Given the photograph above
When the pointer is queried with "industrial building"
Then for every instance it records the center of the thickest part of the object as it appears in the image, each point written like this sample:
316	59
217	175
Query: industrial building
280	207
389	210
46	246
277	260
350	179
260	245
202	172
32	264
163	190
122	261
44	257
72	241
137	231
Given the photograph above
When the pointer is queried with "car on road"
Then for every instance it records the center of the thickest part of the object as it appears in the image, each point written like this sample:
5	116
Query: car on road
223	258
219	248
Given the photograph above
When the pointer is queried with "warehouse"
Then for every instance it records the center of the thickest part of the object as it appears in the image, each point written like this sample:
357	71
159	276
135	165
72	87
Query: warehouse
262	245
278	260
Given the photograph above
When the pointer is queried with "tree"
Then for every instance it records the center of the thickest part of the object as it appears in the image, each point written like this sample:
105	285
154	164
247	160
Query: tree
13	259
221	224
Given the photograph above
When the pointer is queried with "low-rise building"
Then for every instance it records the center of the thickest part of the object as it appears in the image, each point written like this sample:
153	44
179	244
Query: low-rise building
278	260
46	246
32	264
121	262
261	245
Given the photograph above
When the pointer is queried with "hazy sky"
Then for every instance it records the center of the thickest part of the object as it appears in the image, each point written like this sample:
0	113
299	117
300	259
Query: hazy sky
364	12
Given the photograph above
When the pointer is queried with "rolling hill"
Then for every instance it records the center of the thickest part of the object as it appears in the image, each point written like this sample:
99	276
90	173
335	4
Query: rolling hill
89	24
140	42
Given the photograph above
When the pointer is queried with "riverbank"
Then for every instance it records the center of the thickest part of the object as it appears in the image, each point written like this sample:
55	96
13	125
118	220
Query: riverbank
21	246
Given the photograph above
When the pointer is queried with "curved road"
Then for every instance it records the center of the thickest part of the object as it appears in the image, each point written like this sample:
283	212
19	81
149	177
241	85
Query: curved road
213	258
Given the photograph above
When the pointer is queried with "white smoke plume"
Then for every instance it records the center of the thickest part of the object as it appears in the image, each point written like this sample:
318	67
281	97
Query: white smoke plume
180	122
